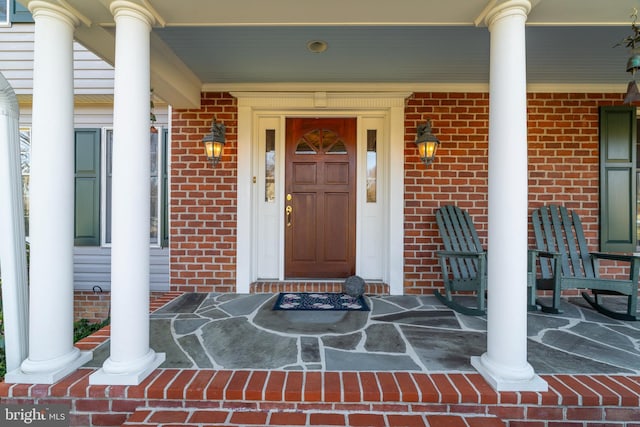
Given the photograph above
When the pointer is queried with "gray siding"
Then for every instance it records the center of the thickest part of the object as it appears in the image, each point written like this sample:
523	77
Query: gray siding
92	267
92	76
93	82
94	116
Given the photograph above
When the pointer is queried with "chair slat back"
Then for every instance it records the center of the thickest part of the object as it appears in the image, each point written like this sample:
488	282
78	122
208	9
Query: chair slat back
559	230
459	234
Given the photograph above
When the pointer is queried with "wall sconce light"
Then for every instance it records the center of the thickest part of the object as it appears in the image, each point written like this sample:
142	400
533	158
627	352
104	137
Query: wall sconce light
214	142
427	143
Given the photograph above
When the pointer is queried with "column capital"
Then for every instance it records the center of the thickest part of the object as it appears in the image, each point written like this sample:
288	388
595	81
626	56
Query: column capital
66	13
506	8
135	10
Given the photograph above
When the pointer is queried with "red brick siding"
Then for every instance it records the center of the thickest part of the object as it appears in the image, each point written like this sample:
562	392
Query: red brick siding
203	199
563	168
95	307
458	176
563	147
91	306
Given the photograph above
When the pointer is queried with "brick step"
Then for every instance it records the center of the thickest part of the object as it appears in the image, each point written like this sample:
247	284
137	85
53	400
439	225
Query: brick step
371	288
191	417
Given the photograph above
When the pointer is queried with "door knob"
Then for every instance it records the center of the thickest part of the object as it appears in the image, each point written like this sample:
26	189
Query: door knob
289	210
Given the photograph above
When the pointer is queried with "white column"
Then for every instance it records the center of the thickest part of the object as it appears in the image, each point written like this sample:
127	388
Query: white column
244	275
51	351
395	204
13	260
505	365
131	359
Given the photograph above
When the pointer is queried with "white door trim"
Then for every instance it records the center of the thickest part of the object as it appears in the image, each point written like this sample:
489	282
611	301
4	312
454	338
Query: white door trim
253	104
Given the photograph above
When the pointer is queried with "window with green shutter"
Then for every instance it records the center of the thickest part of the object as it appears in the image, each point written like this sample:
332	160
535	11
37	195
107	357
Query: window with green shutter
618	211
93	221
87	187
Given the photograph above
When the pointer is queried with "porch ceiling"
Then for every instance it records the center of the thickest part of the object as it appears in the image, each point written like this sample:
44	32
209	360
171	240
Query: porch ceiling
226	45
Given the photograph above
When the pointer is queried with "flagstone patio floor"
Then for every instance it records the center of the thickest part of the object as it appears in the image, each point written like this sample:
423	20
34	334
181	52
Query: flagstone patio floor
231	360
400	333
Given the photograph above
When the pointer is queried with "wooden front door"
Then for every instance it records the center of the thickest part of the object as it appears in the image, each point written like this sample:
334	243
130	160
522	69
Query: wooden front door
320	198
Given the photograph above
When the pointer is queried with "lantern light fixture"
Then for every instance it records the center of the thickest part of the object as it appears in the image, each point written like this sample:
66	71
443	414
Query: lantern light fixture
427	143
632	41
214	142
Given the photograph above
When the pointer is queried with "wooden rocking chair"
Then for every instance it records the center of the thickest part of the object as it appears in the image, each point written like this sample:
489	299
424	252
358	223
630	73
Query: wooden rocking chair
464	261
566	263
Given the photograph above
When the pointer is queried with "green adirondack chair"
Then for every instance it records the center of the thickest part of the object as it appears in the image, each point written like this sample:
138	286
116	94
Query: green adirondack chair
565	263
464	262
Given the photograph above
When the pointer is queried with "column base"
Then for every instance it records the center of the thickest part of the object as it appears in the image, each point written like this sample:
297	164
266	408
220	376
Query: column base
507	381
133	377
43	376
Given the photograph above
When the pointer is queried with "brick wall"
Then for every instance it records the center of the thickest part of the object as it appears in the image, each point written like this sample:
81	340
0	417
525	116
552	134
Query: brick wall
563	168
564	160
203	199
96	306
93	306
458	176
563	153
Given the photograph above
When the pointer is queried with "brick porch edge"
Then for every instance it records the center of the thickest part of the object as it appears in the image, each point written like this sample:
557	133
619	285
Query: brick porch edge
579	400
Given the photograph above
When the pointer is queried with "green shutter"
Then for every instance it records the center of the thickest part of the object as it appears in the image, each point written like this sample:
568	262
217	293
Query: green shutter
87	187
618	179
19	13
165	189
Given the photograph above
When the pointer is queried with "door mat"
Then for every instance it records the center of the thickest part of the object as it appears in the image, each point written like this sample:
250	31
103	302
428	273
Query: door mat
319	301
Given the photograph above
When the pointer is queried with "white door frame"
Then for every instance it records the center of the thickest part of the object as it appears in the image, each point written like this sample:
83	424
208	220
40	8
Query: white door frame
252	105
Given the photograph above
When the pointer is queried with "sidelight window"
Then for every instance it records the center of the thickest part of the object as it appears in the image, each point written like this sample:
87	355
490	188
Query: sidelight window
270	166
372	165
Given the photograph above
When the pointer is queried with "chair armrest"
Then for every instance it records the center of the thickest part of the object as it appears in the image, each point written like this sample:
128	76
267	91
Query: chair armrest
628	257
545	254
461	254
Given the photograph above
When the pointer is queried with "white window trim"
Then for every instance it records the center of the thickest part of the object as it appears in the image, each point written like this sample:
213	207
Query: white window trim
7	21
103	186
